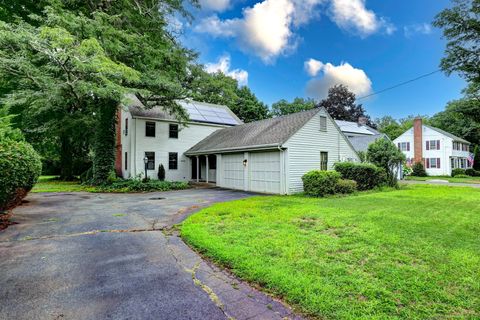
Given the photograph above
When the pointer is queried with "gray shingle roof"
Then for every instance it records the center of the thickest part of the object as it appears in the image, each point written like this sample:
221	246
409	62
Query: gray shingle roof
269	132
361	143
448	134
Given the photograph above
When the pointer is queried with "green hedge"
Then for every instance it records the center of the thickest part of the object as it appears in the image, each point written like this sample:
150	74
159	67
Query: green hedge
472	172
20	167
418	170
367	176
457	172
138	185
319	183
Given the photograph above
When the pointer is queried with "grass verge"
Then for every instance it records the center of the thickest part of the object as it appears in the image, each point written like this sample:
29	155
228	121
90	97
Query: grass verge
411	253
474	180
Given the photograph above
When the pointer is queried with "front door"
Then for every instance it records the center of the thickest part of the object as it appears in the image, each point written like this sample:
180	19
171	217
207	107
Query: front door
194	168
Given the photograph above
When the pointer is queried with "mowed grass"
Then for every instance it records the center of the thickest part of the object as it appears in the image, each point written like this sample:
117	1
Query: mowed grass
52	184
474	180
406	254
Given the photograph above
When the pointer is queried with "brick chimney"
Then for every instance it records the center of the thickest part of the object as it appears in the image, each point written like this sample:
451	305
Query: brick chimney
118	144
362	121
417	140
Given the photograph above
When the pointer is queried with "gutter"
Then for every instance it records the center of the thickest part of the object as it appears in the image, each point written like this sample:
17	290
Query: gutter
237	149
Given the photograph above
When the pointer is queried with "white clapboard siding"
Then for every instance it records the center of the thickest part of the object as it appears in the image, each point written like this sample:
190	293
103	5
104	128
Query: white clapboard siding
304	149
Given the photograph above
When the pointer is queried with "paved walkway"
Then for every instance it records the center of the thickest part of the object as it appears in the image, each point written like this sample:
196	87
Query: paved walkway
441	182
113	256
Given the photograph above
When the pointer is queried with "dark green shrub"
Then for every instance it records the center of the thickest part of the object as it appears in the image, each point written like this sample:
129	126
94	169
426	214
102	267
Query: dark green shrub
367	175
20	167
472	172
462	176
319	183
345	186
161	172
458	171
87	176
139	185
418	170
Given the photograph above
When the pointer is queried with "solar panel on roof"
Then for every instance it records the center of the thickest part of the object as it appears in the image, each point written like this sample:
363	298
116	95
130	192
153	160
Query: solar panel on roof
200	112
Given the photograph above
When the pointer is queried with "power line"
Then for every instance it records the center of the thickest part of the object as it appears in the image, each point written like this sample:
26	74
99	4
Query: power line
400	84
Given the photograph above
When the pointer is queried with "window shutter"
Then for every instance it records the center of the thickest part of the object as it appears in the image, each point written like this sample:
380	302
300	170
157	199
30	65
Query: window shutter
408	146
438	163
399	146
428	163
428	144
438	144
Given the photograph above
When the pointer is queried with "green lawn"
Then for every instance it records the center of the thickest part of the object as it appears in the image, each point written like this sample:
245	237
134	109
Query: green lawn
411	253
51	184
448	178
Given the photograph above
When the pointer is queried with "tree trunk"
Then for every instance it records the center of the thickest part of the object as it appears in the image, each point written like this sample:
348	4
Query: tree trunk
104	141
66	158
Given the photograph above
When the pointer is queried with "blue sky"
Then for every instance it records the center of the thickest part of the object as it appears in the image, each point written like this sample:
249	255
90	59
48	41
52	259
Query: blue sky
283	49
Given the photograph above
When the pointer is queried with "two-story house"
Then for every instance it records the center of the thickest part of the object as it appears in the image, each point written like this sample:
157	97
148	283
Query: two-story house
269	156
438	150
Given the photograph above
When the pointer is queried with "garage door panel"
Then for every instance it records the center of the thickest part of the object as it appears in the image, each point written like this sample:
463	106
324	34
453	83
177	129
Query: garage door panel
233	176
265	172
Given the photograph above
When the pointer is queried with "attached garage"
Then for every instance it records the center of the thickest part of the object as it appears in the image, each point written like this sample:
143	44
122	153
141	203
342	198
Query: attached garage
271	156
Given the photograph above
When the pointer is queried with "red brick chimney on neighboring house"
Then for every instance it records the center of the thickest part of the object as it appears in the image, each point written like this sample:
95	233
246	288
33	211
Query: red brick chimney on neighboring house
417	140
118	144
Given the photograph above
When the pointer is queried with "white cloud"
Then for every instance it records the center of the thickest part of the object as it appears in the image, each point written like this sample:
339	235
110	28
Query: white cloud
266	29
313	66
215	5
420	28
355	79
223	65
353	15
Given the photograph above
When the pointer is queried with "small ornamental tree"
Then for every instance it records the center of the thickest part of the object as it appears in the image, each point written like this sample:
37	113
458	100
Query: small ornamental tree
384	154
476	158
161	172
418	170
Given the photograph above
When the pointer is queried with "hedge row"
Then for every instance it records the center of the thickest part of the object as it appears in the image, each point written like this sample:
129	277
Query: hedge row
319	183
367	176
20	167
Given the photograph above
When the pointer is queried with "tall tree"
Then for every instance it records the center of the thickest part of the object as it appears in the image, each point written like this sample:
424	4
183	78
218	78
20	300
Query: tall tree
86	55
248	107
460	25
340	104
284	107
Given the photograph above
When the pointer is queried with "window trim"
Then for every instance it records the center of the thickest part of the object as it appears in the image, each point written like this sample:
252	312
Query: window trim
176	131
170	167
147	123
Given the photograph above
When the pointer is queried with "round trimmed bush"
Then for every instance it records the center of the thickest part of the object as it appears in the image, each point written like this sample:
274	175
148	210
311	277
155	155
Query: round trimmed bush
457	172
319	183
20	167
345	186
368	176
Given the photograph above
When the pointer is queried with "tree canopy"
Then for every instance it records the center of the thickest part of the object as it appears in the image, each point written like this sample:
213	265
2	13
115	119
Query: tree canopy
340	104
284	107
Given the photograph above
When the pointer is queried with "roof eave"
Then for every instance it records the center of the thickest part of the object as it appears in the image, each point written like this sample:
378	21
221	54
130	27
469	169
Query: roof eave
236	149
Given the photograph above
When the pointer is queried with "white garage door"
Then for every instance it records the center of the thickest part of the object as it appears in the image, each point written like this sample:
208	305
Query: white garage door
233	171
264	172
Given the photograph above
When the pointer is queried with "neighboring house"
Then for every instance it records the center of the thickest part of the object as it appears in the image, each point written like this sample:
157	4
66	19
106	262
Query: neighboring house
438	150
268	156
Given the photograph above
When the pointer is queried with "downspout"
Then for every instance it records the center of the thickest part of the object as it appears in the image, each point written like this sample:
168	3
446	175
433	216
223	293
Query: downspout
284	170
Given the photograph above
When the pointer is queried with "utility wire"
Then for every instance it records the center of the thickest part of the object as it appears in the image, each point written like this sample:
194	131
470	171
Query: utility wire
400	84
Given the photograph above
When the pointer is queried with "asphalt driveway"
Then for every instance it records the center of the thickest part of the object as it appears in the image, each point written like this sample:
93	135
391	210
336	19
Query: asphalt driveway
113	256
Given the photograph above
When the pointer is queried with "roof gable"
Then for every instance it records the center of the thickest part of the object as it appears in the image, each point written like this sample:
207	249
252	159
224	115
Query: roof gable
268	132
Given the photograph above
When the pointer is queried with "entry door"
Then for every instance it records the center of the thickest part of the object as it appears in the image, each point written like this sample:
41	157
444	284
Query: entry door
323	160
194	168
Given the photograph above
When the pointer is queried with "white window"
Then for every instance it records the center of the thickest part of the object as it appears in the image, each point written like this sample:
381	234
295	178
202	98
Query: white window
323	123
